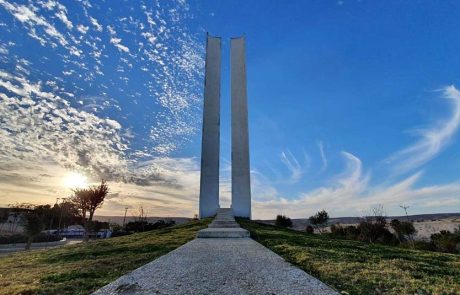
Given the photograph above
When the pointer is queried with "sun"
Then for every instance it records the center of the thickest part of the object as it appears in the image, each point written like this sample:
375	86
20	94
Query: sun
75	180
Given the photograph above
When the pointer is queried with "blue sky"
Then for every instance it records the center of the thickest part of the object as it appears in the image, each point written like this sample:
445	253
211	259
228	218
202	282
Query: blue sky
351	103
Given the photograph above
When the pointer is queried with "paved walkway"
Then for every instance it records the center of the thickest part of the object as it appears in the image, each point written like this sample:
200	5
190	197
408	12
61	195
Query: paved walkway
218	266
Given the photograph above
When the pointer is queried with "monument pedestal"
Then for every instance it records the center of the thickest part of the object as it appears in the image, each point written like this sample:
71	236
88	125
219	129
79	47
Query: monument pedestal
223	226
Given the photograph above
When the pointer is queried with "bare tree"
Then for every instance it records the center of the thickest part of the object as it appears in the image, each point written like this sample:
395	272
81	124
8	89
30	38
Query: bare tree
87	201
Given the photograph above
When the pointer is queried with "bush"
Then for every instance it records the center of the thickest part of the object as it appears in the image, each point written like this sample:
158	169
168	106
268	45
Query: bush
373	228
419	245
319	220
338	230
351	232
283	221
445	241
403	229
310	229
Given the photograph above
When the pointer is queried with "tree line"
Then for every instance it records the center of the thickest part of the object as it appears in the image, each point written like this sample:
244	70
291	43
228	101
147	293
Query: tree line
77	209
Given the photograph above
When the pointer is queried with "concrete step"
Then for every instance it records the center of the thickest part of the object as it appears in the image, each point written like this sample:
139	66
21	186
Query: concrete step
225	209
224	225
225	214
224	219
223	233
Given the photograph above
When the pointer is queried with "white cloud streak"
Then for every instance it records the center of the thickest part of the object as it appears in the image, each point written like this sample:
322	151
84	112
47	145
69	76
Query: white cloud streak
351	194
432	140
295	168
323	156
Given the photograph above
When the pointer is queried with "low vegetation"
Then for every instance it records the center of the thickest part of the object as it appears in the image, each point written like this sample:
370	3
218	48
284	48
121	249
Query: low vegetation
357	267
283	221
374	228
319	220
83	268
446	241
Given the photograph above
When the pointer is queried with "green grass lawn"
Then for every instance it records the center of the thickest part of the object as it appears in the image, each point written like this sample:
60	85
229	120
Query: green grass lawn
83	268
360	268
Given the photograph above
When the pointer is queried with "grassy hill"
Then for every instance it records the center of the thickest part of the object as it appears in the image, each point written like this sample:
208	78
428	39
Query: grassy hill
82	268
361	268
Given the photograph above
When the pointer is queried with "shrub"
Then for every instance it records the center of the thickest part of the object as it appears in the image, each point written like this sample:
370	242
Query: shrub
310	229
445	241
403	229
373	228
419	245
319	220
283	221
338	230
388	238
375	231
351	232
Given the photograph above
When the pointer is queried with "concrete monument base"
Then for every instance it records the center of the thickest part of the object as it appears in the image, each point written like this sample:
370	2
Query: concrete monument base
223	226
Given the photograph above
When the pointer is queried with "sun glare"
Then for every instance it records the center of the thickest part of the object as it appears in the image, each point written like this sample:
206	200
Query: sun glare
75	180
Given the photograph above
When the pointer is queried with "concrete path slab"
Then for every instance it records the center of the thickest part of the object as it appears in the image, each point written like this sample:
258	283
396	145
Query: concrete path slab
218	266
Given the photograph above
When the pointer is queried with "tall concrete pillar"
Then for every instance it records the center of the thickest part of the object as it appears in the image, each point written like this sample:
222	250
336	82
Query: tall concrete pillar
241	184
209	181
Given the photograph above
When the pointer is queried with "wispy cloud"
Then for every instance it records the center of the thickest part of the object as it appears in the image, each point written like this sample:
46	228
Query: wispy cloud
351	193
323	156
296	169
432	140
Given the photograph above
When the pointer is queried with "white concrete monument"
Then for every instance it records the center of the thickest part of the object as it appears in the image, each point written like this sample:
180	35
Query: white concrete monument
241	183
209	182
